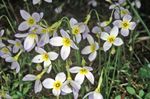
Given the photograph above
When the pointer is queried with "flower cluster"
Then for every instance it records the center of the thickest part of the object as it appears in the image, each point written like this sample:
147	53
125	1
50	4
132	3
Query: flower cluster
35	35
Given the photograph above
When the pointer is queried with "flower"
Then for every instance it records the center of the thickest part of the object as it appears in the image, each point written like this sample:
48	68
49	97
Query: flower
39	1
65	42
17	45
44	57
96	30
30	40
91	49
71	86
5	51
56	84
29	20
111	39
14	61
77	29
125	25
81	73
38	84
93	95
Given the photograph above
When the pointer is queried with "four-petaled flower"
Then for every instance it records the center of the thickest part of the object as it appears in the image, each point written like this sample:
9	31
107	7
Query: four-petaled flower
111	39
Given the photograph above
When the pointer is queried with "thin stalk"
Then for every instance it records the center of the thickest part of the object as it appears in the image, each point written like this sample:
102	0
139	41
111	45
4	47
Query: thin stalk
139	17
11	25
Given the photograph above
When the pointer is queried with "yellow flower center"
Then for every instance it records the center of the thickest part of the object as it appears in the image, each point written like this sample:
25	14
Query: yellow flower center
32	35
57	85
124	12
125	24
93	47
111	39
75	30
83	71
45	56
5	50
18	44
31	21
44	30
66	42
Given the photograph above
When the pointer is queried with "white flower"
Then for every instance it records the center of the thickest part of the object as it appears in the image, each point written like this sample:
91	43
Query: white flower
44	57
77	29
71	86
29	20
56	84
5	52
39	1
96	30
17	45
30	40
65	42
93	95
111	39
82	73
125	25
91	49
38	84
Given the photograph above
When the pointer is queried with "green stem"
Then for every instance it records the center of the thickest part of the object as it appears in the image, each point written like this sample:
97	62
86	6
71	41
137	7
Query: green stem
139	17
4	16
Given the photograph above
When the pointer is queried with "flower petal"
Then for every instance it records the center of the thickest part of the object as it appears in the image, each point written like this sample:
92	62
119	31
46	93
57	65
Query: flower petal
61	77
56	41
107	46
37	86
52	55
23	26
29	77
49	1
96	29
90	39
24	14
125	32
86	50
65	51
132	25
64	33
114	31
73	21
56	92
79	78
36	16
118	42
75	69
104	36
127	18
90	77
35	1
92	56
48	83
28	43
117	23
66	89
40	50
73	45
47	63
37	59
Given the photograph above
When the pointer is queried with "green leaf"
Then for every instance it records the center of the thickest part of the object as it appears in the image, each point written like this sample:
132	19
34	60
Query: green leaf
144	72
118	97
147	96
130	90
141	93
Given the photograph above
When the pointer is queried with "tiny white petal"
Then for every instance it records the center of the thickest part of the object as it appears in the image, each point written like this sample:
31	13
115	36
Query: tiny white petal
37	86
47	63
107	46
40	50
52	55
86	50
79	78
37	59
29	77
90	77
114	31
90	39
23	26
96	29
64	33
49	1
61	77
28	43
66	89
24	14
127	18
56	92
36	2
125	32
65	51
117	23
48	83
92	56
73	45
56	41
118	42
73	22
36	16
75	69
132	25
104	36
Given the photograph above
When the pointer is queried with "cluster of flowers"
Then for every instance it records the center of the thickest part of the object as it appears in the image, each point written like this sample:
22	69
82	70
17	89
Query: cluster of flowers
40	34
